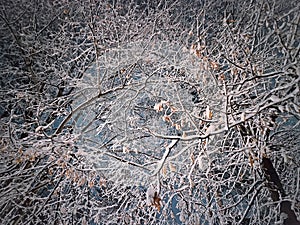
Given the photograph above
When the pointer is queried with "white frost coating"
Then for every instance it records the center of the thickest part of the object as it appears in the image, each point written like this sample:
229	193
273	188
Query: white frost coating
146	84
150	195
210	129
274	98
163	159
203	163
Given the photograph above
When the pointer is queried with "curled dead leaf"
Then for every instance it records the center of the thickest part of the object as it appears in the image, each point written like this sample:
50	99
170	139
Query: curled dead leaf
18	160
222	77
192	157
172	167
208	113
156	201
66	11
214	65
91	184
251	161
198	53
102	182
167	118
178	127
158	107
164	171
173	109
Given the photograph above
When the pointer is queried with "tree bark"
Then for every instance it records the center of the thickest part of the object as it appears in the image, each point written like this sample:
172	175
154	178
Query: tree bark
276	190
